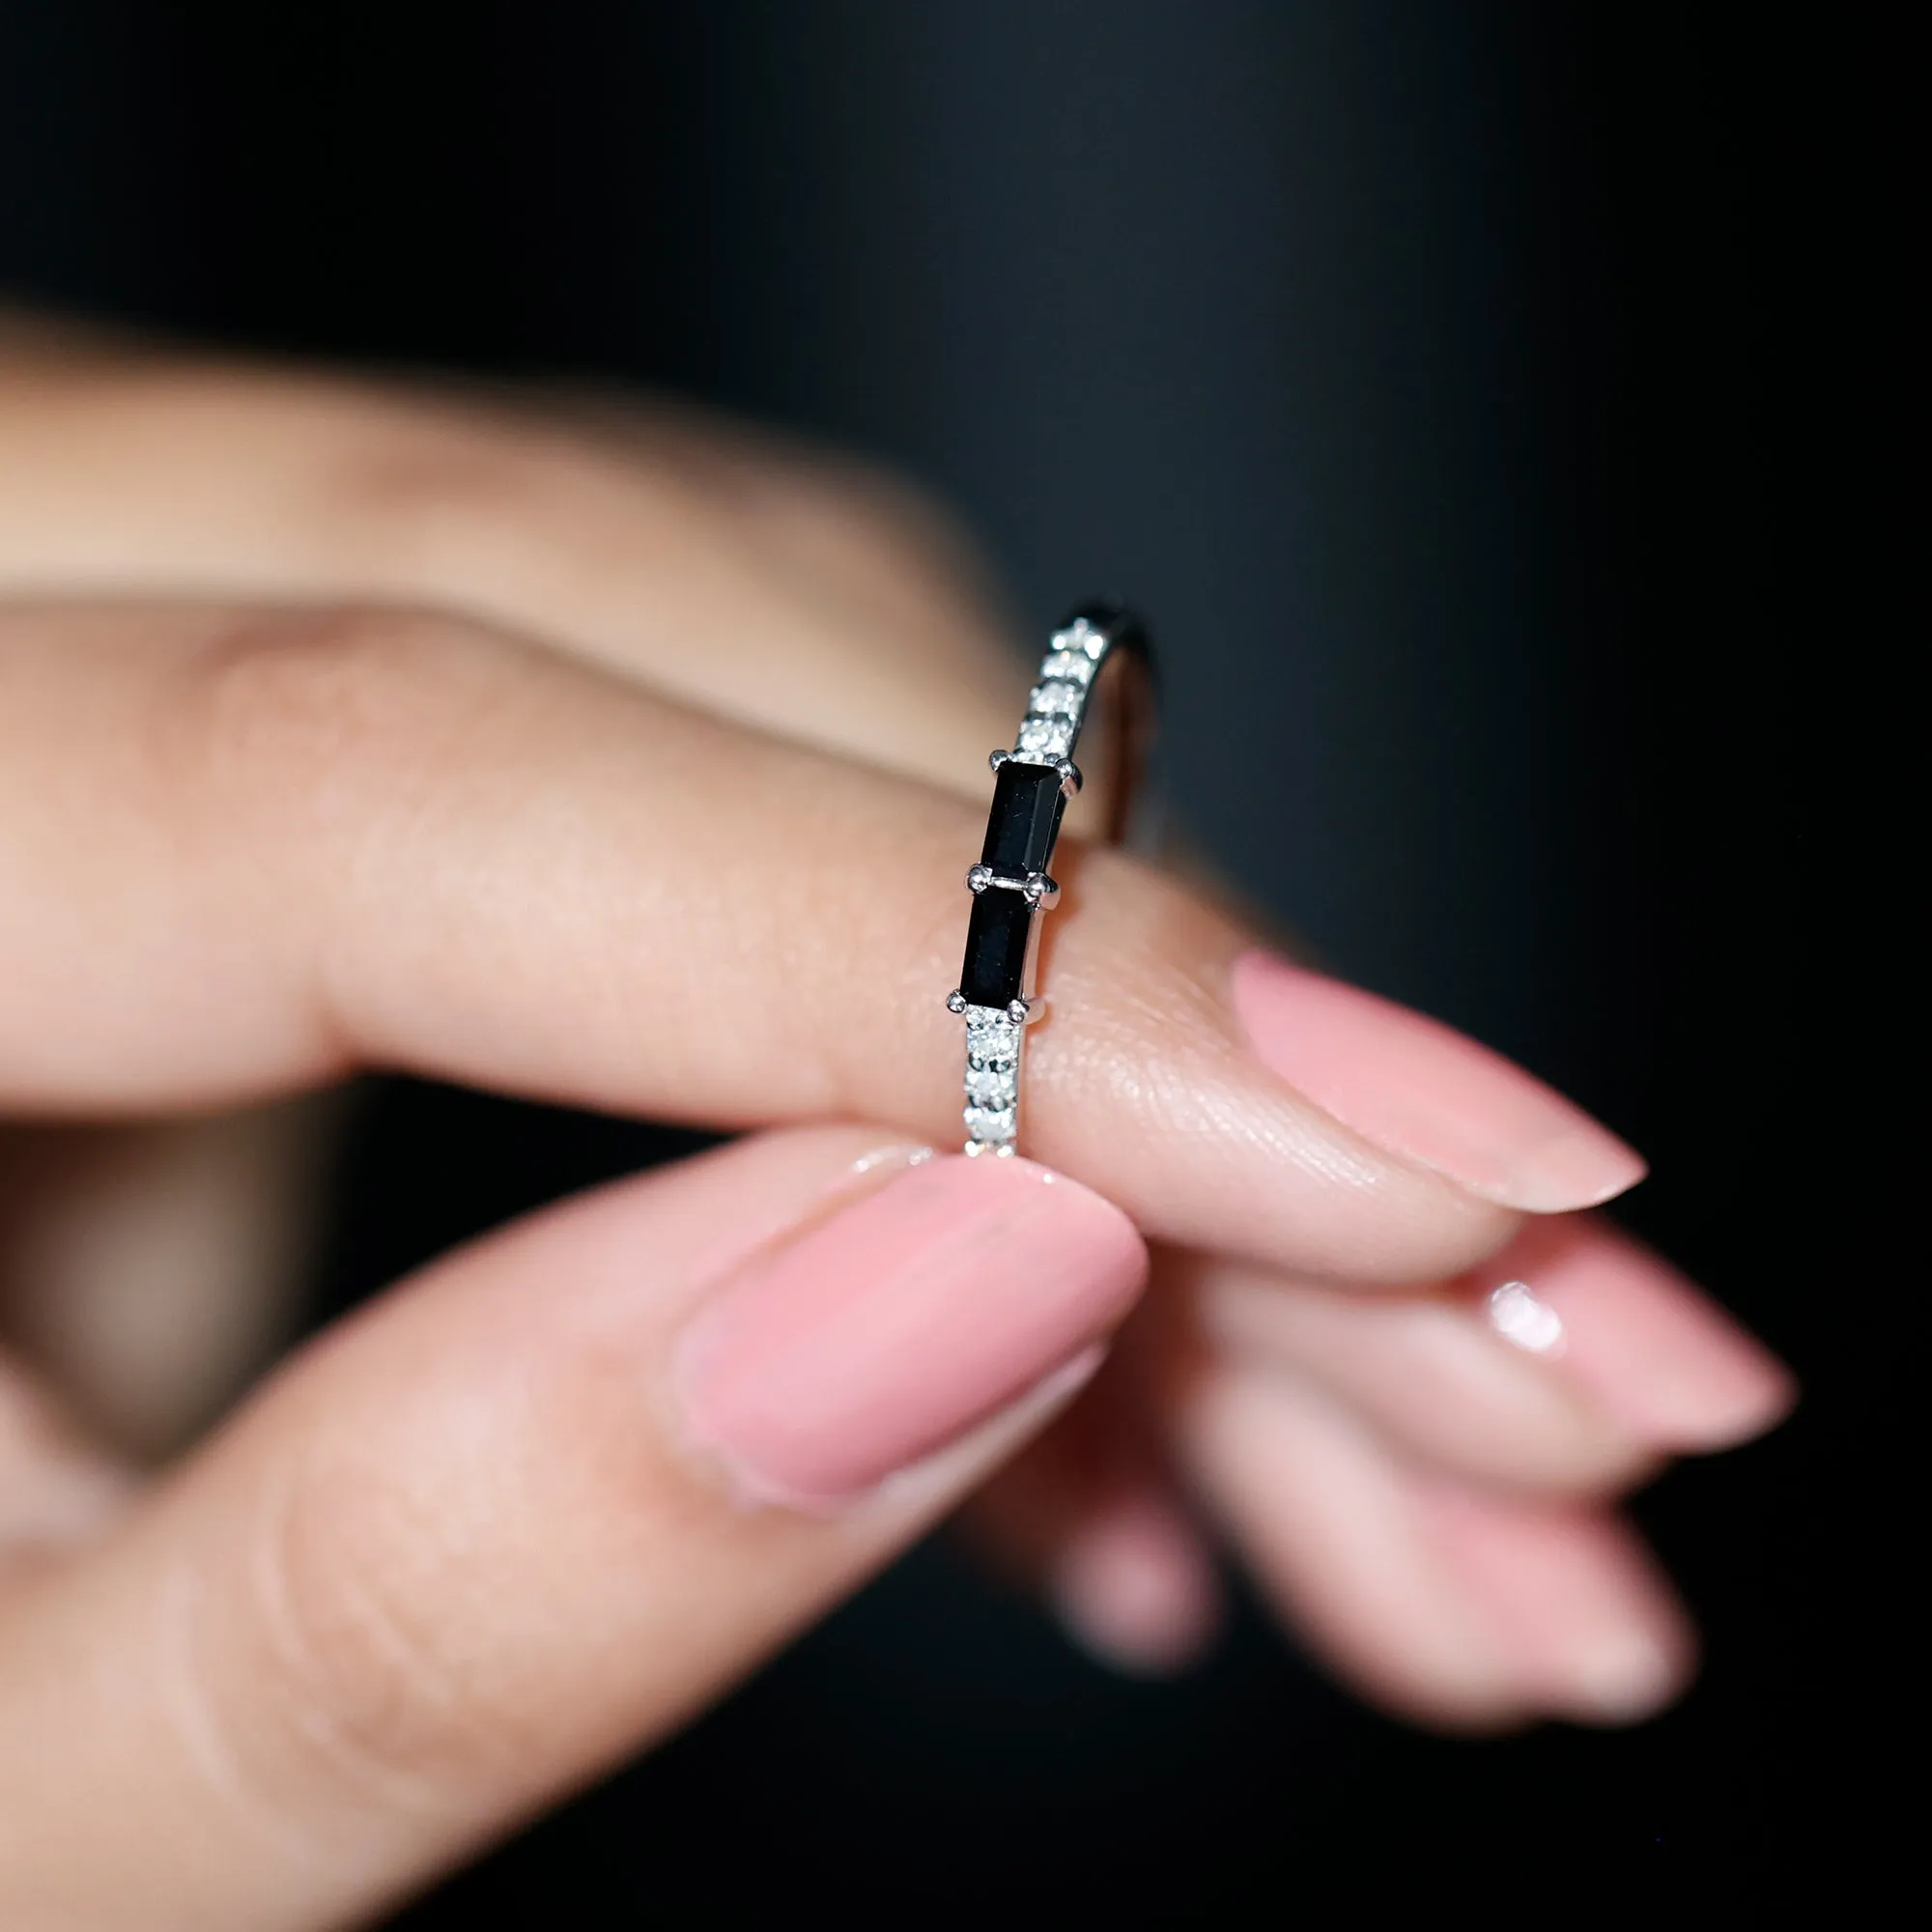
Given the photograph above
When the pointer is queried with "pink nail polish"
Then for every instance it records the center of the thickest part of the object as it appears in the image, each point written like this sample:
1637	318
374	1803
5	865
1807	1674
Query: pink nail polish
1658	1357
886	1332
1420	1090
1590	1630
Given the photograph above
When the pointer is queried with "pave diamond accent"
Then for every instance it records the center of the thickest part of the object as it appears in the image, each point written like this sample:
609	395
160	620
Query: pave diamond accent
1075	665
984	1123
1058	698
1080	636
990	1085
1045	738
991	1037
992	1077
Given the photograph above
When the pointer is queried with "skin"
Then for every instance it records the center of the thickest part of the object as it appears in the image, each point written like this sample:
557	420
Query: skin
342	727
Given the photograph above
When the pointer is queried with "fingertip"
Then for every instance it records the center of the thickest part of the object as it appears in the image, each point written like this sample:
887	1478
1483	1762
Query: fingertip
1135	1588
1582	1166
1428	1094
1656	1354
1594	1632
1621	1676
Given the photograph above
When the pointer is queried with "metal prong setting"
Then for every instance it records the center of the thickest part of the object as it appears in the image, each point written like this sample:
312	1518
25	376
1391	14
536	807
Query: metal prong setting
1037	887
1071	780
994	1038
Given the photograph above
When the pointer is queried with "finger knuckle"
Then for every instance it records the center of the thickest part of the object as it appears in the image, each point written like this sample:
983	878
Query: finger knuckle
471	508
842	506
413	505
363	1684
303	700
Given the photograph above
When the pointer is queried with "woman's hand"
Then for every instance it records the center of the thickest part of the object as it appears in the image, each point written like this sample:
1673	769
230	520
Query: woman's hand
620	762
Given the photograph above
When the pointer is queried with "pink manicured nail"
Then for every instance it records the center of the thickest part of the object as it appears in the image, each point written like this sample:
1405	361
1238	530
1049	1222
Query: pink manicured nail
1420	1090
886	1332
1591	1631
1659	1358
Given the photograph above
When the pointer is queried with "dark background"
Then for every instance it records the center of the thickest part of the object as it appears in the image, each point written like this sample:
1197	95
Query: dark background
1462	390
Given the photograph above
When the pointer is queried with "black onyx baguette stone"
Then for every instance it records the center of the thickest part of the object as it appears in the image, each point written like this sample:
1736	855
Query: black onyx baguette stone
996	945
1027	805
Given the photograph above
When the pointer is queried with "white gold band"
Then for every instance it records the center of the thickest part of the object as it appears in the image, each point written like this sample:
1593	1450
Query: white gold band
1012	886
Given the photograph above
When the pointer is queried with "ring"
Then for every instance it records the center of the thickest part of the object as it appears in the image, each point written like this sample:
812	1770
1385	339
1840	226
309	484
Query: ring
1011	885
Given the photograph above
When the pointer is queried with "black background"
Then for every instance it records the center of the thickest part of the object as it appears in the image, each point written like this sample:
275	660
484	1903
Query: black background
1466	393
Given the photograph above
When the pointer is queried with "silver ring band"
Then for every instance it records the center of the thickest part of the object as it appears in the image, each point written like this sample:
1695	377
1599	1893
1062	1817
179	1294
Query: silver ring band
1011	885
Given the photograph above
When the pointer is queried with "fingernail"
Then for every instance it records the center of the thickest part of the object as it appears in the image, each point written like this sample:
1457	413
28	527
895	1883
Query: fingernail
879	1335
1657	1355
1422	1091
1617	1675
1136	1589
1590	1632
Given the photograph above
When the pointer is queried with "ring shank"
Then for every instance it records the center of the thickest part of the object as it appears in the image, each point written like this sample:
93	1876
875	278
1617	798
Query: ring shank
1096	644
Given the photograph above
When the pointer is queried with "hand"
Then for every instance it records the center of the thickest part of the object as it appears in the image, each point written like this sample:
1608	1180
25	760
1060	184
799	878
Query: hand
621	763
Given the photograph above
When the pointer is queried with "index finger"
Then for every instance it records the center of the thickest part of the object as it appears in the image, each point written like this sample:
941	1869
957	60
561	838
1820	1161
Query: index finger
249	852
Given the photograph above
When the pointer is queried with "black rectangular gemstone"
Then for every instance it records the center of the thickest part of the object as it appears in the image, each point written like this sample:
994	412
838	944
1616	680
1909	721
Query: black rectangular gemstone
1025	820
996	946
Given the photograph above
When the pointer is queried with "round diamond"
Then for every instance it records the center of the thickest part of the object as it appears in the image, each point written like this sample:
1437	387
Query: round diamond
1080	636
996	1042
1046	737
1056	698
1075	665
990	1085
987	1123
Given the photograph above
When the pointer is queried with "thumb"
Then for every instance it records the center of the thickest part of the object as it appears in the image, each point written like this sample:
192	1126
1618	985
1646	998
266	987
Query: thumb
520	1517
